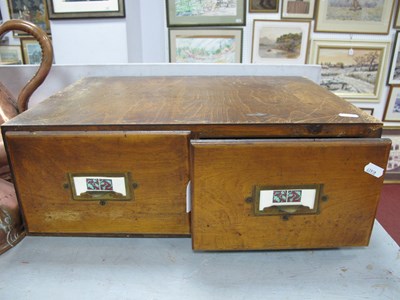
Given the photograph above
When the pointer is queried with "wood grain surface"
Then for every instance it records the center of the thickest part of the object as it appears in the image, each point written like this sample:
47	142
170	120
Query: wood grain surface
208	106
224	175
158	163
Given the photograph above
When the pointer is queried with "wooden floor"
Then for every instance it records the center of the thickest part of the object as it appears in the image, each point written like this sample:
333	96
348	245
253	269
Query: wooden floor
388	213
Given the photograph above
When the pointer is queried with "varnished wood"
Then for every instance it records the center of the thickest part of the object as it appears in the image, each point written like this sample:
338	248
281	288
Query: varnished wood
157	161
143	125
207	106
225	172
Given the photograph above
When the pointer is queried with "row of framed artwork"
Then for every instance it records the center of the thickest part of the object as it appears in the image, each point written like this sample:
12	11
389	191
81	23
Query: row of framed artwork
338	16
352	69
29	52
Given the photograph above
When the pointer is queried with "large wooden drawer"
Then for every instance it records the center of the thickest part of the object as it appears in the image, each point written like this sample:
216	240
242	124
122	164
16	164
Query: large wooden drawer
154	167
247	193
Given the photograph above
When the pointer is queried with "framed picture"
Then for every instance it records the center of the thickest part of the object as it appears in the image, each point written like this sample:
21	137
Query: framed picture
392	174
392	109
205	46
1	17
352	69
394	71
31	51
298	9
368	110
32	11
82	9
280	42
396	23
10	55
206	12
263	6
355	16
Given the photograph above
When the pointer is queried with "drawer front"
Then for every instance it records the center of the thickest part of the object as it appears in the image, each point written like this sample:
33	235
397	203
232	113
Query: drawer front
102	182
285	194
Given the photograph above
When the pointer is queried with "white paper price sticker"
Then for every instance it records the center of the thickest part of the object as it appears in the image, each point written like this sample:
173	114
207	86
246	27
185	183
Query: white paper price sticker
373	170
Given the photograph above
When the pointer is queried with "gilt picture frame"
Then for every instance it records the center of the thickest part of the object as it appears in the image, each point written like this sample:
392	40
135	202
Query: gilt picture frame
298	9
280	42
32	11
392	174
188	13
352	69
205	45
356	16
31	51
81	9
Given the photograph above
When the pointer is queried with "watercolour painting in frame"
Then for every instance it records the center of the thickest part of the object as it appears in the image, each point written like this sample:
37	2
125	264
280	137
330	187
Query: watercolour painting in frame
181	13
10	55
280	42
355	16
32	11
205	45
352	70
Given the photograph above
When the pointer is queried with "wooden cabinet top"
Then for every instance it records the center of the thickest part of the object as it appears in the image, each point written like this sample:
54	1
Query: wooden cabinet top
209	106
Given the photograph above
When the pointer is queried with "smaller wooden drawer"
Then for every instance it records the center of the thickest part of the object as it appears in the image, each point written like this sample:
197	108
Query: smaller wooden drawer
285	194
64	180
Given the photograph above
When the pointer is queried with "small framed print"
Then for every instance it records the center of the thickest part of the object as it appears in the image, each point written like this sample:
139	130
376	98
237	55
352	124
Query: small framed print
83	9
181	13
392	174
10	55
356	16
351	69
396	23
298	9
392	110
205	45
280	42
32	11
394	71
31	51
263	6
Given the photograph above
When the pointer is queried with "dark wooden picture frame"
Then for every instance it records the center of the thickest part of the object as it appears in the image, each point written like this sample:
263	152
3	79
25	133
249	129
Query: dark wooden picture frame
264	6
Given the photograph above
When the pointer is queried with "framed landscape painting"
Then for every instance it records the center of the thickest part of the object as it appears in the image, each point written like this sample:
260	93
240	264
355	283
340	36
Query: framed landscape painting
351	69
206	12
392	110
280	42
205	45
355	16
31	51
298	9
32	11
263	6
10	55
394	71
392	174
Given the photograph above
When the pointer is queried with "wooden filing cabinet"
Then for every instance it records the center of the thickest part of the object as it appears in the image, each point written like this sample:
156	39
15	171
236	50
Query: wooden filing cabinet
263	162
